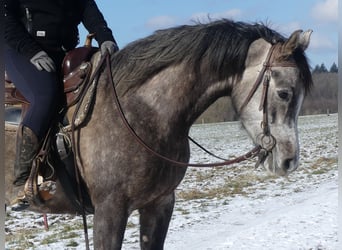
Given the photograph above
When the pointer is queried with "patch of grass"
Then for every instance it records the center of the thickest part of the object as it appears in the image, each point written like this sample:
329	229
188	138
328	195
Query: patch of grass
55	237
72	244
232	186
49	239
324	161
183	211
68	231
323	165
203	176
297	190
130	225
69	235
192	194
22	238
71	227
319	171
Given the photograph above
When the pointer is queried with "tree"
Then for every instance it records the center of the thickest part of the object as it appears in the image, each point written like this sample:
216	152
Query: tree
322	68
316	69
333	68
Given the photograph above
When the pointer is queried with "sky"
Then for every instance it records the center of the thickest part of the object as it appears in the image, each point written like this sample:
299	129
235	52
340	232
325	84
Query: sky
134	19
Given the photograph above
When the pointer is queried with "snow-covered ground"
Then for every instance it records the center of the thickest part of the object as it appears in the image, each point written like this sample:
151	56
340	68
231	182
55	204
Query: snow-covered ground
235	207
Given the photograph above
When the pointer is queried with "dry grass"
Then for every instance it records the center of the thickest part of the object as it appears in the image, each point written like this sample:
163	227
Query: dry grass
234	185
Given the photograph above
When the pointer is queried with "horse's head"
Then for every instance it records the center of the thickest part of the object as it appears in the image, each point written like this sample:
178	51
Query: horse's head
269	97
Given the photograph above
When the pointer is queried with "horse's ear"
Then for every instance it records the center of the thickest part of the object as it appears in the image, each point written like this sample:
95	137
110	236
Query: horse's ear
292	43
298	39
304	39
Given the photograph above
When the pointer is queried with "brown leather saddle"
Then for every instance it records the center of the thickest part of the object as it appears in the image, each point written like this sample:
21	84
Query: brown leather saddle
76	70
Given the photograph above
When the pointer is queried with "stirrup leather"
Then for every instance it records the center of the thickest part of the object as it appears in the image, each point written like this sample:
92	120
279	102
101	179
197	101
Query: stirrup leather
36	189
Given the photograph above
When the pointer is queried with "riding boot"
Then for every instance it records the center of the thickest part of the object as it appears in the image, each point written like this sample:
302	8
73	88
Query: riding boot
27	148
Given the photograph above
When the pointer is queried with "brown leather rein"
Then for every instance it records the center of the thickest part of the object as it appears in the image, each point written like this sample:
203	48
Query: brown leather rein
268	141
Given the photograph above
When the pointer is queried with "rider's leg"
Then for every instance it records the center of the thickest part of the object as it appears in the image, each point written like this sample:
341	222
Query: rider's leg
43	90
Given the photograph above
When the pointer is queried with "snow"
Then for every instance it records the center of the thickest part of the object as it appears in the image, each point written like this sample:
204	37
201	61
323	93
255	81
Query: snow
235	207
294	222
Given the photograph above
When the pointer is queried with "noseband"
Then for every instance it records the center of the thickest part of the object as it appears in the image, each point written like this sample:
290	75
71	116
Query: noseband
267	140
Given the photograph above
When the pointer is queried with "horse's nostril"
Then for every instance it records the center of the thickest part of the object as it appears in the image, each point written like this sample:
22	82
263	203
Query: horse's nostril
288	165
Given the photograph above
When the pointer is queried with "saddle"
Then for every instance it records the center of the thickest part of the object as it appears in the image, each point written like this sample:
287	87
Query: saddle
77	69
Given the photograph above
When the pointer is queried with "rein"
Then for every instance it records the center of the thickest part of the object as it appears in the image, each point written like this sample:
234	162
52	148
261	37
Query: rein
76	150
268	141
249	155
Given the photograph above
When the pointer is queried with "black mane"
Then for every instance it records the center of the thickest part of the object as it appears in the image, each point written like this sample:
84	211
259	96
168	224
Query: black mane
224	44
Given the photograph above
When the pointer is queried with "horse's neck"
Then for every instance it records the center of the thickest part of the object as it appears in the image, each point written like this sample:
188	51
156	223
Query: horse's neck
176	98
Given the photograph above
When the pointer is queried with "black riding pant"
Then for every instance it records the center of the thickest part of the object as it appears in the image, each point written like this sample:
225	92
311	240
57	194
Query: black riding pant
42	89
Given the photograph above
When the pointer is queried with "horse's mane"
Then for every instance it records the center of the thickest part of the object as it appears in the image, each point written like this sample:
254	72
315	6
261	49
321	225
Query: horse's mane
224	44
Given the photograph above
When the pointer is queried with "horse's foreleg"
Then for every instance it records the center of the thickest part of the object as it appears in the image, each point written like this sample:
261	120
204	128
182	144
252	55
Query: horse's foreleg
154	223
110	219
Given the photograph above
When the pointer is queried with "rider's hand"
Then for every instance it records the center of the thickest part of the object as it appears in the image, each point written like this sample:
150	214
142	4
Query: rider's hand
43	62
109	46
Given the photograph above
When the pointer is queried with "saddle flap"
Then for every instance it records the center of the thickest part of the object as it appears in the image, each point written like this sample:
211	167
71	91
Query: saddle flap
73	82
76	70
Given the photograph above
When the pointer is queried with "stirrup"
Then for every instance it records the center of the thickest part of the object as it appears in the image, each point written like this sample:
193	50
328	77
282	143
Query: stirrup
40	191
47	190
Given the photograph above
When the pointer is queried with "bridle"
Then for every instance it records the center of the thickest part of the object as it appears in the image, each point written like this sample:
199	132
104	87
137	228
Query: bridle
268	141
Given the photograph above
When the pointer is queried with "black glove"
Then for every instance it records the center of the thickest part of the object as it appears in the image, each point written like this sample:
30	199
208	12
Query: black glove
43	62
109	46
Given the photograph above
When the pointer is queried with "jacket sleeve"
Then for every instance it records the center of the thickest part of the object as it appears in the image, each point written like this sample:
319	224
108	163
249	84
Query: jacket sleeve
15	34
94	22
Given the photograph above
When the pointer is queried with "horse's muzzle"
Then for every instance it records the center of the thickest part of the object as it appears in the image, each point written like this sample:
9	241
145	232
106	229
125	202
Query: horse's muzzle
282	168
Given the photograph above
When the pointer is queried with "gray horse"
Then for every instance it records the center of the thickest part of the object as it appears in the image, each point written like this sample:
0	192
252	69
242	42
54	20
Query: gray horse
164	82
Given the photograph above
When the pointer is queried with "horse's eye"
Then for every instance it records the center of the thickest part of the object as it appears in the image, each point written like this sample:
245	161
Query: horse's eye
284	95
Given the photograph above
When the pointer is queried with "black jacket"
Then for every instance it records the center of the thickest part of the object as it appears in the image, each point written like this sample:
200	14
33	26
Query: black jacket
33	25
